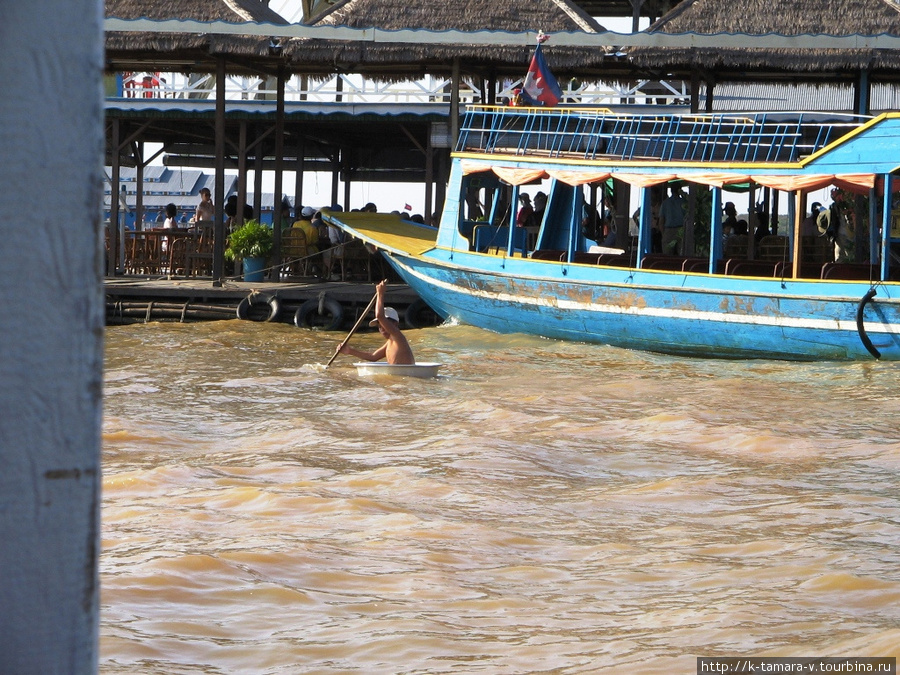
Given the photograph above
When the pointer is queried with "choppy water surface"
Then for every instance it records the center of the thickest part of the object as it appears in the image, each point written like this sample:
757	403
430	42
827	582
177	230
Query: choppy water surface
543	507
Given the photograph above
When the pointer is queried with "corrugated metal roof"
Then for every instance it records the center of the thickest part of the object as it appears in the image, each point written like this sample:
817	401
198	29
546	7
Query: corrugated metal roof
760	97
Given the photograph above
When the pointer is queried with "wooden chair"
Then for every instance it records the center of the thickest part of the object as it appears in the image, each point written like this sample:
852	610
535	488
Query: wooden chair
178	256
200	255
355	258
294	252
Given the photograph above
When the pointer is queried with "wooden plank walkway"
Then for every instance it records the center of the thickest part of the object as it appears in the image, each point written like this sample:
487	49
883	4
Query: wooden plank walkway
137	299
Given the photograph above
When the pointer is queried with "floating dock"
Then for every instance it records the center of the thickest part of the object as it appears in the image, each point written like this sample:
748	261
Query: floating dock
315	304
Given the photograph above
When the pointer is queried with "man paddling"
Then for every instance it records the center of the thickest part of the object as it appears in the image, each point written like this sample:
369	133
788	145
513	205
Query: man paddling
396	349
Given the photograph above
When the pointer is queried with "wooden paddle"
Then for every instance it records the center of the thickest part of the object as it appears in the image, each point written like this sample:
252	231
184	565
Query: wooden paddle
359	321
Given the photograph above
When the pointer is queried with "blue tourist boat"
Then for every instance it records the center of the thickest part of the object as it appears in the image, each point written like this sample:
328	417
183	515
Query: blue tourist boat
728	299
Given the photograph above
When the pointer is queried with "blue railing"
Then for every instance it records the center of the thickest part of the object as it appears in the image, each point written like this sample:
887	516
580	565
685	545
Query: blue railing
592	134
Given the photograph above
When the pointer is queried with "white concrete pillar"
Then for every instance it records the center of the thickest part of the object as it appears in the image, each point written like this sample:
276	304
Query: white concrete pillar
51	334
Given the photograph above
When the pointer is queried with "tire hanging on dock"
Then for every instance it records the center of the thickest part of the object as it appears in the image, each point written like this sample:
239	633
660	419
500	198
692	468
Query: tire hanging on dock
320	314
249	308
420	315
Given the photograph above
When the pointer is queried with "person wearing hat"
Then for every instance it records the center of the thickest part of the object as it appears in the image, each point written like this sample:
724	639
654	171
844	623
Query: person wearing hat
310	230
205	209
396	349
832	224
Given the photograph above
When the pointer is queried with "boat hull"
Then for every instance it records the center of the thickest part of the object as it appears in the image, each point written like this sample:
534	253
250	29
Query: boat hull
666	312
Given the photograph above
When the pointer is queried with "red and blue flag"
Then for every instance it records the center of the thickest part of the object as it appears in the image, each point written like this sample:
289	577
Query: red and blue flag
540	87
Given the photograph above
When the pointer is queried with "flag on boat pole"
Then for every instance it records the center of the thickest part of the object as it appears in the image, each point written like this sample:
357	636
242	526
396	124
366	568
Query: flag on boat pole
540	87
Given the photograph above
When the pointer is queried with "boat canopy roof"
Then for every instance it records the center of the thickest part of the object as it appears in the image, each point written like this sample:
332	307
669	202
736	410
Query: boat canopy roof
859	183
786	151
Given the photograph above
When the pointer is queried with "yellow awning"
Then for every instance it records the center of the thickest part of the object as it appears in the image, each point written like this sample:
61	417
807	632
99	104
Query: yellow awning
387	231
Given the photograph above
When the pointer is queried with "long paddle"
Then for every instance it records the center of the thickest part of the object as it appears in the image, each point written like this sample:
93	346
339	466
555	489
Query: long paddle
353	330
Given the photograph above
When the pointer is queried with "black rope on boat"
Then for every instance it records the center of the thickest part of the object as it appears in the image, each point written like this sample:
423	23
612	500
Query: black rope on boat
867	343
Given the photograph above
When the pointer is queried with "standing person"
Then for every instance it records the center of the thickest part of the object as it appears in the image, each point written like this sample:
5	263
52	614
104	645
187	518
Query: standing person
730	220
671	221
285	213
523	218
396	349
205	209
540	205
832	223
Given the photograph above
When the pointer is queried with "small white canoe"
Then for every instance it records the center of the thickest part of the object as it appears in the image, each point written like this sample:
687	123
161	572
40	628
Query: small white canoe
401	370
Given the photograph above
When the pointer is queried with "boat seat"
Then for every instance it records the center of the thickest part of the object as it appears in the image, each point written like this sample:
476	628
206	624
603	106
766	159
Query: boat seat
616	260
784	269
695	265
850	271
736	246
549	254
662	262
773	247
750	268
586	258
816	249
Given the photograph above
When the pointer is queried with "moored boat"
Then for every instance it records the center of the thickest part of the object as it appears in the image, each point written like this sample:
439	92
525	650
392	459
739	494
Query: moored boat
550	279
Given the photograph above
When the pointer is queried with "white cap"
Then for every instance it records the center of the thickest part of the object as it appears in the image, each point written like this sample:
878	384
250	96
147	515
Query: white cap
308	212
389	313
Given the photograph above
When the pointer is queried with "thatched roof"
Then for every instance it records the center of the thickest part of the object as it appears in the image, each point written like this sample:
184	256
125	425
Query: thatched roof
234	11
514	16
379	60
167	47
785	17
509	15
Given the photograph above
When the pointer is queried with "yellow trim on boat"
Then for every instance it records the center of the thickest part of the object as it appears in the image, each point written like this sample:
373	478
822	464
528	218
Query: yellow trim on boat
632	163
846	138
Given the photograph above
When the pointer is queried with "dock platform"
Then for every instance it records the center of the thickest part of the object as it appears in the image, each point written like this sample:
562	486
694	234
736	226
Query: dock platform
312	303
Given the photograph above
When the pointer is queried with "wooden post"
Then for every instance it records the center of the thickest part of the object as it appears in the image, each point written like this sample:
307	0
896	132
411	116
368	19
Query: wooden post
454	103
115	238
139	183
275	272
218	269
298	182
51	374
429	177
242	156
259	149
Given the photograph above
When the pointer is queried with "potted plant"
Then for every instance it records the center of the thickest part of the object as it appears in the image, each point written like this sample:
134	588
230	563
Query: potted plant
252	243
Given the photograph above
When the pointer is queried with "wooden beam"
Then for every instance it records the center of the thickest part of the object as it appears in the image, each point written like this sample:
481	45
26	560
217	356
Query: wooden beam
218	267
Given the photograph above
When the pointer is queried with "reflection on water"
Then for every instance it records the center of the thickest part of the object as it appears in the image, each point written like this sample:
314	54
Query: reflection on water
541	507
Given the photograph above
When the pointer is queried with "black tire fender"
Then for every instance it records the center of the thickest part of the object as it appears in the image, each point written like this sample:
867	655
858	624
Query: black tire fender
246	309
320	314
420	315
860	327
